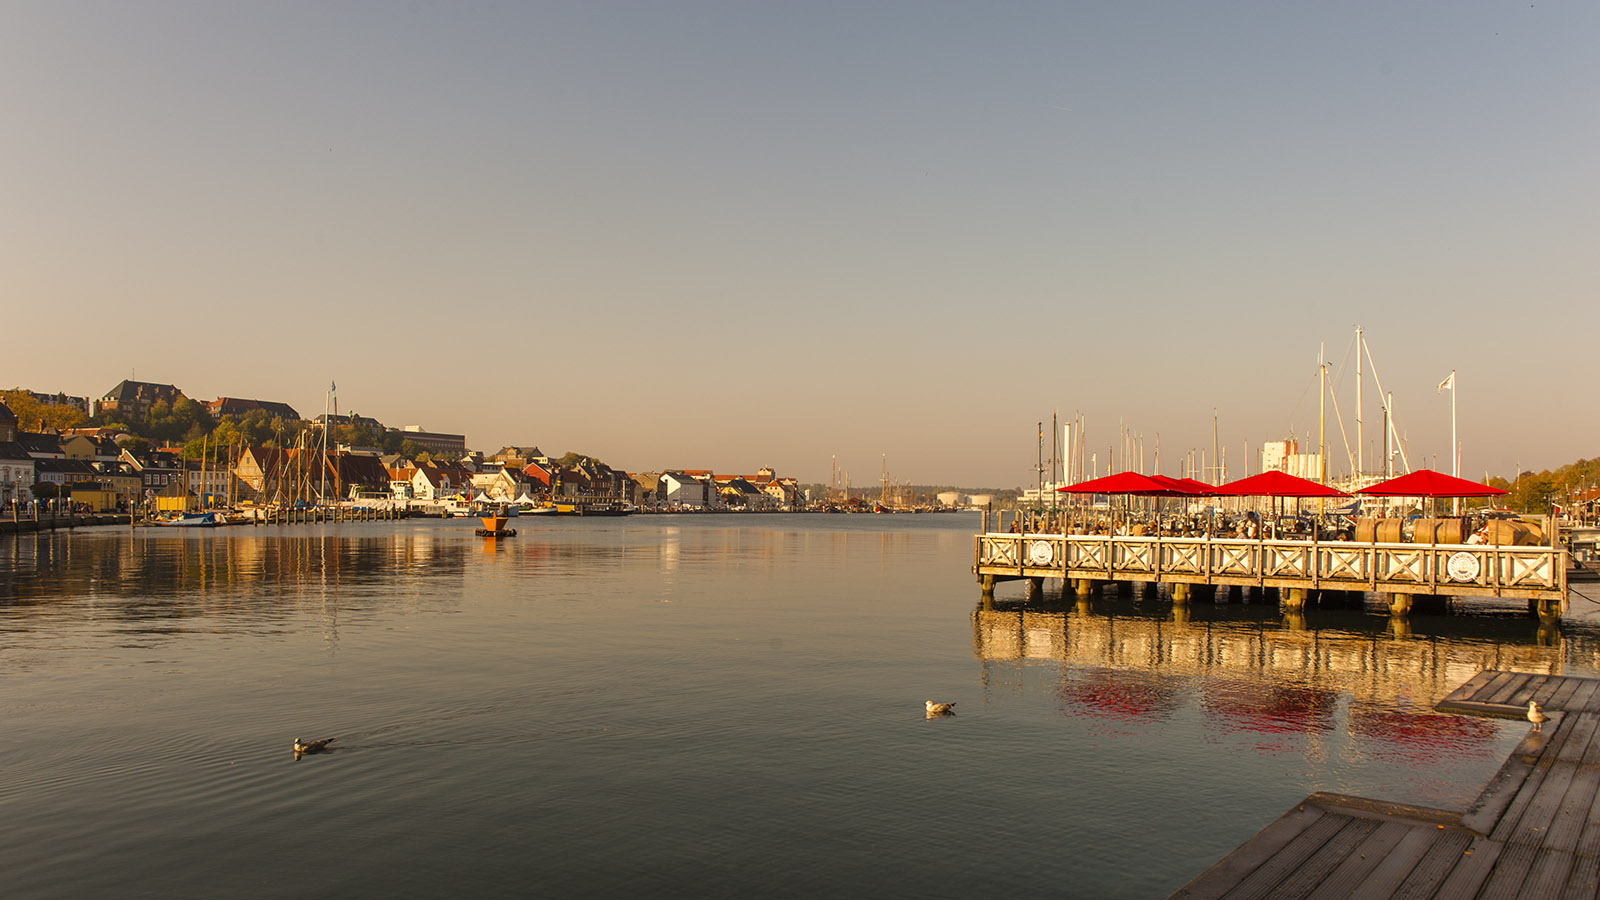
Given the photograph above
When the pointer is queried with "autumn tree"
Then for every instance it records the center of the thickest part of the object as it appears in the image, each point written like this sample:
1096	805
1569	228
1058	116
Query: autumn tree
32	414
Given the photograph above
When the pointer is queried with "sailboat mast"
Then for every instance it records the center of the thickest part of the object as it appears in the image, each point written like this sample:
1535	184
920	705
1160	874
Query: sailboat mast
1322	417
1361	448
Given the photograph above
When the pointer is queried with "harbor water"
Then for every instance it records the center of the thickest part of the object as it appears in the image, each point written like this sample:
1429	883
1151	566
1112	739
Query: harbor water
682	706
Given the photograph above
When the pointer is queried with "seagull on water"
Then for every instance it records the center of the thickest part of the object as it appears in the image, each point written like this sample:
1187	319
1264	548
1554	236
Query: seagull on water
1536	716
941	709
317	746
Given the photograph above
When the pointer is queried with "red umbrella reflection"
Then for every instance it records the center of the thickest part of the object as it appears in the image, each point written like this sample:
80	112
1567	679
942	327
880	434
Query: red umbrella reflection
1270	709
1421	734
1121	695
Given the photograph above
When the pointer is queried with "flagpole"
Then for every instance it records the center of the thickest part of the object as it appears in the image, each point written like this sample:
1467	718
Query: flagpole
1455	446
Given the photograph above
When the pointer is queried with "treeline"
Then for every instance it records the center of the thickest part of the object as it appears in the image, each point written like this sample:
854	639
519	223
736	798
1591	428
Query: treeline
1537	492
190	425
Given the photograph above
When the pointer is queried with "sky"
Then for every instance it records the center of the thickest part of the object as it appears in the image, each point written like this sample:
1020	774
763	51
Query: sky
877	234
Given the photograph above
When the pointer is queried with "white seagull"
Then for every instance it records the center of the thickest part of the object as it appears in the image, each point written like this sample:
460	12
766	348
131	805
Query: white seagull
941	709
1536	716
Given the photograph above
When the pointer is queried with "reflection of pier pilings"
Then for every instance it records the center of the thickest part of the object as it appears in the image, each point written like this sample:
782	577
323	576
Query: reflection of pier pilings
1369	664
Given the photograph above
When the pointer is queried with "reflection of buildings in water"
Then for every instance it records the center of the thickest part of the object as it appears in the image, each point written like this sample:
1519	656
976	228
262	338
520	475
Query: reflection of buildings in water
671	548
167	576
1366	665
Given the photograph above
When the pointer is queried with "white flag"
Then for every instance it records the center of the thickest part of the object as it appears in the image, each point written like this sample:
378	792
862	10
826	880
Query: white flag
1448	382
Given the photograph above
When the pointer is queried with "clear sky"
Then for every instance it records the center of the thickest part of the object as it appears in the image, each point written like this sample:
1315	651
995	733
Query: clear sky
727	235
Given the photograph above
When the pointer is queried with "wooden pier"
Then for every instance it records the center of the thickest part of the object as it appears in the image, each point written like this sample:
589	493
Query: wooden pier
1296	568
1534	831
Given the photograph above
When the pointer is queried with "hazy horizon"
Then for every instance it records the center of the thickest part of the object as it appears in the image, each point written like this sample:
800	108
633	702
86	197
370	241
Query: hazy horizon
712	235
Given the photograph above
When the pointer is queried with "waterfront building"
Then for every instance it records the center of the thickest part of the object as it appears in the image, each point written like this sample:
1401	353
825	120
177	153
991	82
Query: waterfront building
156	468
62	472
692	489
499	484
16	471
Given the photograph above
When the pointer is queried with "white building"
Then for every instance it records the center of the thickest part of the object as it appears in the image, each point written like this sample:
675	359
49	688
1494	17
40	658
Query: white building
689	491
16	474
1285	456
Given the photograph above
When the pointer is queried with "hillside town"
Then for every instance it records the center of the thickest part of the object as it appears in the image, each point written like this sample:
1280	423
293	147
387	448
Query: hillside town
147	446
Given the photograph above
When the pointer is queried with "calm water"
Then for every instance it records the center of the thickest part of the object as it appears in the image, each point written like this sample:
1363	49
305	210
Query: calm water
679	706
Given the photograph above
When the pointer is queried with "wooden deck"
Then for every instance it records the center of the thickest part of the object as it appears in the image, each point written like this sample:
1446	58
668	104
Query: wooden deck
1475	570
1533	832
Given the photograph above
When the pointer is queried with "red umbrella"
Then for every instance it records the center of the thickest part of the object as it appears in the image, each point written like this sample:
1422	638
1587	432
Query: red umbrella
1182	485
1273	483
1124	483
1131	483
1428	483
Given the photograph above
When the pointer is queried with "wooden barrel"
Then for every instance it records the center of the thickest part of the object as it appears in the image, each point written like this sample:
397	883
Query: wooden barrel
1450	531
1390	531
1505	533
1366	529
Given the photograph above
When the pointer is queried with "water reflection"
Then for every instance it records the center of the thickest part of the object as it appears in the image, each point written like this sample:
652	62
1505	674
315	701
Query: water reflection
151	577
1275	682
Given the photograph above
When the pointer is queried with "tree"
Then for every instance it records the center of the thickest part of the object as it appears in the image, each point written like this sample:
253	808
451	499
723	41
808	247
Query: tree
31	413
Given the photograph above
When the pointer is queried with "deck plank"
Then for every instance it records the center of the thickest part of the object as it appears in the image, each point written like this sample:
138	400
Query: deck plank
1497	685
1312	874
1589	840
1264	881
1405	857
1567	826
1497	796
1549	874
1580	740
1471	870
1562	698
1502	695
1584	879
1358	864
1552	686
1229	871
1508	873
1587	697
1529	792
1447	852
1468	690
1528	688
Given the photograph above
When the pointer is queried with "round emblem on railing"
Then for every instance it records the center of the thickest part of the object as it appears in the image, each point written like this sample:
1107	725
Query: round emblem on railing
1462	566
1040	553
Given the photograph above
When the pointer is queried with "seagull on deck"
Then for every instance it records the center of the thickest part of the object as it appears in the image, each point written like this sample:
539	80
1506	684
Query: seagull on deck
1536	716
311	746
941	709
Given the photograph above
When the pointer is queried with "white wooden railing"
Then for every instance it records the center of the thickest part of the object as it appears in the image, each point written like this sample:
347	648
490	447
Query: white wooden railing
1460	569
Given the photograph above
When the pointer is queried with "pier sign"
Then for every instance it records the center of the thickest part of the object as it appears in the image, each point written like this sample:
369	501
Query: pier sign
1040	553
1462	566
